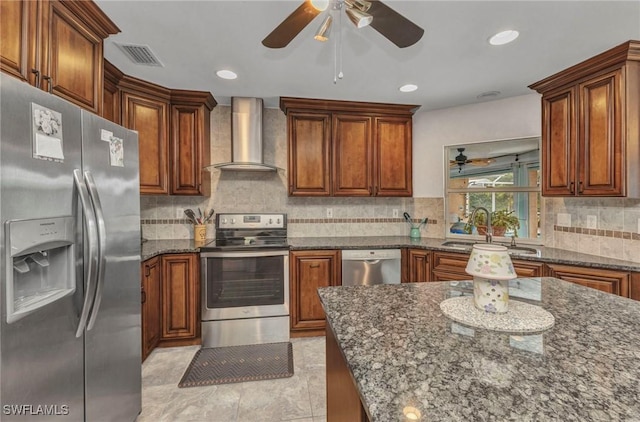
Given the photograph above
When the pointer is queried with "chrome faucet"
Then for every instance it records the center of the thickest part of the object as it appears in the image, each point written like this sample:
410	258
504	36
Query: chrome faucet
488	237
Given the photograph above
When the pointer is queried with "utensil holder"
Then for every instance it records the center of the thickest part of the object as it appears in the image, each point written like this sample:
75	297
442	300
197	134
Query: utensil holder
414	233
199	232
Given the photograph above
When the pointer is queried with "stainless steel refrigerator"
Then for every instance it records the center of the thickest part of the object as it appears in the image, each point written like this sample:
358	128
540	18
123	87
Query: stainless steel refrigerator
70	248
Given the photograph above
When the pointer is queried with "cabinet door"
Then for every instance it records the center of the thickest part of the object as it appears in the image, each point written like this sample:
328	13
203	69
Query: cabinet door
419	265
609	281
151	309
71	56
187	149
600	161
309	154
180	286
559	143
352	155
393	169
528	268
18	34
310	270
150	118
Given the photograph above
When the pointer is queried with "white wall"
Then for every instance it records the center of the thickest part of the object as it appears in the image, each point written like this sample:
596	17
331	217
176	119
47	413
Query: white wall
514	117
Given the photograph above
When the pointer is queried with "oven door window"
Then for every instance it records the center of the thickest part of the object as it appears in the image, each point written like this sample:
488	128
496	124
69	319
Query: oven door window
250	281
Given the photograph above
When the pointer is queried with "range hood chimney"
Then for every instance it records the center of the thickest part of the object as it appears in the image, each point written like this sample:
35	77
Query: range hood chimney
246	136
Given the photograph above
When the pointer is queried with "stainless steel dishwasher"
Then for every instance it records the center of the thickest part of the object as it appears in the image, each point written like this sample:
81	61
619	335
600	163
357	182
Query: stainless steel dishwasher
371	266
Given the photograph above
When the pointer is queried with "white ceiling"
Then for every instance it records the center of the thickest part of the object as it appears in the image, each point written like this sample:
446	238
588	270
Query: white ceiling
452	64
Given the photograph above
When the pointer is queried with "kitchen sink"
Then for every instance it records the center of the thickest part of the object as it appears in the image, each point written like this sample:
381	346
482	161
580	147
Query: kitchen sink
515	250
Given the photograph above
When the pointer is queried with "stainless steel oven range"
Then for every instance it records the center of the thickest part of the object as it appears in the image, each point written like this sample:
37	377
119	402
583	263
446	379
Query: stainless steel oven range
245	281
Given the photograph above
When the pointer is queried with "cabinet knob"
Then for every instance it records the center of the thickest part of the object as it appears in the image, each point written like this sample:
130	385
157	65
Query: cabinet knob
580	187
572	187
143	296
314	266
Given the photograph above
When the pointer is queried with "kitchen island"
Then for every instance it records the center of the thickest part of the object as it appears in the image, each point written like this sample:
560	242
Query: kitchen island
392	355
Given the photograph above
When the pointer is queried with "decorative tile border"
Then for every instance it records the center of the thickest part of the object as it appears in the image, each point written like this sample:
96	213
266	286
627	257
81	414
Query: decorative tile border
353	220
618	234
166	221
298	220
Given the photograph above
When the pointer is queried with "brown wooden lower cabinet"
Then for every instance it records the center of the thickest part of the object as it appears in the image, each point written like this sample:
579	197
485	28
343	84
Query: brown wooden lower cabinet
343	399
308	271
610	281
448	266
418	266
170	301
151	310
180	297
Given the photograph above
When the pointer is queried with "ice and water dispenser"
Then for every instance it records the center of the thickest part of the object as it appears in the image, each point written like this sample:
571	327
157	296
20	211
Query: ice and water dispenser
40	258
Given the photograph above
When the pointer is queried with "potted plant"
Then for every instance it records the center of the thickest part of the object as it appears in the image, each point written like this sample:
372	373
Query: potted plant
501	221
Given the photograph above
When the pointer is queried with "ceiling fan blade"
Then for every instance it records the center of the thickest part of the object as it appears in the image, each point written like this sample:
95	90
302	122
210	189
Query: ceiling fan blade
395	27
291	26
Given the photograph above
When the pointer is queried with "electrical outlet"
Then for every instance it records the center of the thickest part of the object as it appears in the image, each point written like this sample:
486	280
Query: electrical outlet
592	222
180	213
329	212
396	213
564	220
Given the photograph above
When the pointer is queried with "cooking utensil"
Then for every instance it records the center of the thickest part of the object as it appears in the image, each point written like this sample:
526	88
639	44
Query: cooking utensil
191	215
407	217
209	215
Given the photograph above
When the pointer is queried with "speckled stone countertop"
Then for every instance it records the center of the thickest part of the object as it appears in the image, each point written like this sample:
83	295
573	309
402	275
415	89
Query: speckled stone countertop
402	351
549	255
152	248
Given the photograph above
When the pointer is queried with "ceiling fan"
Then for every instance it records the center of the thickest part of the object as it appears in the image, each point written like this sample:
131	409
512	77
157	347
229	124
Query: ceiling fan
392	25
461	160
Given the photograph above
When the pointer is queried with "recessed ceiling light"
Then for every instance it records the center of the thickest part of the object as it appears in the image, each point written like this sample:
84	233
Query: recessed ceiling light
504	37
488	94
408	88
226	74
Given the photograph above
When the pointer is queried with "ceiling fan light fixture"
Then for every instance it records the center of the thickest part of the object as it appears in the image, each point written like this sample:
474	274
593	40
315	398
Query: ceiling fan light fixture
359	18
320	5
504	37
362	5
322	34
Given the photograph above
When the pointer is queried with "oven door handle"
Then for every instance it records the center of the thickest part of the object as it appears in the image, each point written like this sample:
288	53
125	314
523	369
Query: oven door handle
244	254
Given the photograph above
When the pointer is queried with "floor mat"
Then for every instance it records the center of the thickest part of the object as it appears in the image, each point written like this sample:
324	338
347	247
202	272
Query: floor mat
225	365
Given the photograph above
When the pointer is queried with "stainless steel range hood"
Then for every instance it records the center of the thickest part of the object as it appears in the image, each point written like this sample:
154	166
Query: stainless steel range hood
246	136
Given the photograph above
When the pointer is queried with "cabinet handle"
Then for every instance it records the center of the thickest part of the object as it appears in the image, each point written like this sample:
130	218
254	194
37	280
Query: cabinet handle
580	187
143	296
572	188
314	266
37	73
50	87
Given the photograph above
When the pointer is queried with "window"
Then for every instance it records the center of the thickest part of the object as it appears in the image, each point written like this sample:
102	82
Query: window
500	175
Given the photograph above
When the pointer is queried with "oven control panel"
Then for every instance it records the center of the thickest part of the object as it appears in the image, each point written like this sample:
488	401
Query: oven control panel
251	221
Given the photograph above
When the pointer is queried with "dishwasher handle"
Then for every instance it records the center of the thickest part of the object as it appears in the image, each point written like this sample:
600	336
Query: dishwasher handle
370	255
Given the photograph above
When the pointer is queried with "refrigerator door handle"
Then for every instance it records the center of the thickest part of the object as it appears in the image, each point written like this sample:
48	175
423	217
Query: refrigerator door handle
102	246
90	224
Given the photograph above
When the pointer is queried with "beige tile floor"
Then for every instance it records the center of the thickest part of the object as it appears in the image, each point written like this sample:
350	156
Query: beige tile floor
300	398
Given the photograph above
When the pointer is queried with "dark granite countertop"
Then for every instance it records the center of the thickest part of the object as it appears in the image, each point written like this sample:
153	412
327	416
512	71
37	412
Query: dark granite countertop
402	351
549	255
152	248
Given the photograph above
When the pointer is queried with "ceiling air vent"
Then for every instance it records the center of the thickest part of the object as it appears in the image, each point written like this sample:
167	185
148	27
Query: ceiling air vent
140	54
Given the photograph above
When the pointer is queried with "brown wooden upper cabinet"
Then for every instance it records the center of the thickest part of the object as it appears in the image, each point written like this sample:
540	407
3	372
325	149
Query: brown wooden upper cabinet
345	148
173	132
56	46
590	130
